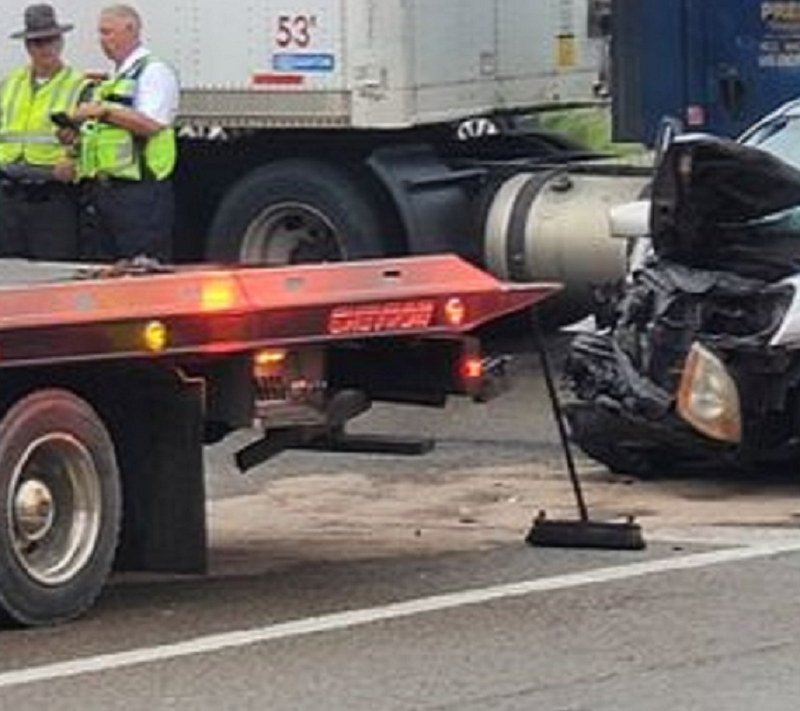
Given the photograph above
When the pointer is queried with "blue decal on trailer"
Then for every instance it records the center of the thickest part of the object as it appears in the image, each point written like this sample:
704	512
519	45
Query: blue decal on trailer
303	62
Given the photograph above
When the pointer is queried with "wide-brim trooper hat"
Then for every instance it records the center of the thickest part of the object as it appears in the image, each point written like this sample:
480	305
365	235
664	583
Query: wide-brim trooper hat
40	21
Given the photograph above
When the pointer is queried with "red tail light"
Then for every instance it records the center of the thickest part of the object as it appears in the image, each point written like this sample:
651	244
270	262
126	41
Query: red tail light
472	368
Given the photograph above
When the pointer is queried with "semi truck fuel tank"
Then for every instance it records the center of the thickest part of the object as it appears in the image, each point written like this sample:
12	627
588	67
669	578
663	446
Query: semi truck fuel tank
554	225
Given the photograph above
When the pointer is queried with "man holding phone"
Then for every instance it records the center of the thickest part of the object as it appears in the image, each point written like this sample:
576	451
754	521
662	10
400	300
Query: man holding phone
127	147
38	195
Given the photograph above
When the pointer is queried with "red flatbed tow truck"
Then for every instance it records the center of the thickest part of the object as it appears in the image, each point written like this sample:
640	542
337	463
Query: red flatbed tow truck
113	378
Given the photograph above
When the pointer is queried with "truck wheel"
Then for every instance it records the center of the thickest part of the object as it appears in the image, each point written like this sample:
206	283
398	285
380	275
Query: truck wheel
61	508
293	212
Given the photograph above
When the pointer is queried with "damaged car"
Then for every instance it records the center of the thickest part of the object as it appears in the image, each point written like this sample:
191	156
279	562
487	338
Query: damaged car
695	361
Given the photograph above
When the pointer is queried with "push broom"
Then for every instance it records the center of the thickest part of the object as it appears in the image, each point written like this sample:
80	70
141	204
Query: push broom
581	532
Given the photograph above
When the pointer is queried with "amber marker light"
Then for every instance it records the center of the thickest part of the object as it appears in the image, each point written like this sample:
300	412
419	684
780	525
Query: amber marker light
455	313
155	336
218	295
268	361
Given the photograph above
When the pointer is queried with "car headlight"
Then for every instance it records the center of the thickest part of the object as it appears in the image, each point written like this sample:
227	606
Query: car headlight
708	398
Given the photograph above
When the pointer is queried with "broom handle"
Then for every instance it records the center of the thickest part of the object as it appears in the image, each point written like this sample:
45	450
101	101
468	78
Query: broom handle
558	416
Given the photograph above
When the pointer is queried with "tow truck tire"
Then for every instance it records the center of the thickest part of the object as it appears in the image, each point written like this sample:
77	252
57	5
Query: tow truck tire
61	508
296	211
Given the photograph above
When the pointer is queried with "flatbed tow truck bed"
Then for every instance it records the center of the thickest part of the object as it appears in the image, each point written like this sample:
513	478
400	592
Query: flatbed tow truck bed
112	378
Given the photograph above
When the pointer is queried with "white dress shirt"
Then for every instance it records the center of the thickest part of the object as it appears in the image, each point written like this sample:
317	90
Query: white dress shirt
157	91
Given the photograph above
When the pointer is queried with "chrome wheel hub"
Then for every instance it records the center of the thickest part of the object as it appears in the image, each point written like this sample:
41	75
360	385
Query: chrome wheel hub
55	508
34	510
290	233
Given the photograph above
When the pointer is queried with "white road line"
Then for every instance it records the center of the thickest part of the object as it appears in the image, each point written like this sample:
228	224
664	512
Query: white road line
344	620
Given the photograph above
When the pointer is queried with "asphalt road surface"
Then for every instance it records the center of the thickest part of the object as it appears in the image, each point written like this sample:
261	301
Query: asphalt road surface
362	582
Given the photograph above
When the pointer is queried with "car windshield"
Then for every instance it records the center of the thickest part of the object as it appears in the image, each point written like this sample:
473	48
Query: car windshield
780	137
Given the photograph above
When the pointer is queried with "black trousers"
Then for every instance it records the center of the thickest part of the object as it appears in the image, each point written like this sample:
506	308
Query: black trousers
123	219
39	221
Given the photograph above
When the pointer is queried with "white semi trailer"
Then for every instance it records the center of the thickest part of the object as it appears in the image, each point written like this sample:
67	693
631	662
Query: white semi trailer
316	130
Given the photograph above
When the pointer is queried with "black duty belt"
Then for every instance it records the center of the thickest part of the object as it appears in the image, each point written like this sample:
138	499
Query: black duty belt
33	191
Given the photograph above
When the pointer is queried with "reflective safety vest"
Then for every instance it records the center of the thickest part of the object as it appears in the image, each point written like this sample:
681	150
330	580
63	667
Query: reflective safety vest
110	151
27	133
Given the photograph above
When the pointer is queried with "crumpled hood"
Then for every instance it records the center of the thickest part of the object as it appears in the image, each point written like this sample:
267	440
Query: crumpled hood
717	204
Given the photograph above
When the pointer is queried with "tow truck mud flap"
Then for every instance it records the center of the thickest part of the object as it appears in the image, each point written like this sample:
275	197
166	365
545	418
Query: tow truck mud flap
157	429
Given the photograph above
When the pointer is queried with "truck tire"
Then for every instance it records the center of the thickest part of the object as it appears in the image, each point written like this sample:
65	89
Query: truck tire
61	508
292	212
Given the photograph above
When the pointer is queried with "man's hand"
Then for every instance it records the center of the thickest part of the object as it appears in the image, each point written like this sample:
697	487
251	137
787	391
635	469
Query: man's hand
91	111
67	136
64	171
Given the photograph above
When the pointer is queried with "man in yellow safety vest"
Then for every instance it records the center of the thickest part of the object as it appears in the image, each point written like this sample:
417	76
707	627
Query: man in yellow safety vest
127	147
38	195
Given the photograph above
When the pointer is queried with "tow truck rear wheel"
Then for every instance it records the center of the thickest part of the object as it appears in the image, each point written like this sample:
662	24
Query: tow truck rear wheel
61	508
